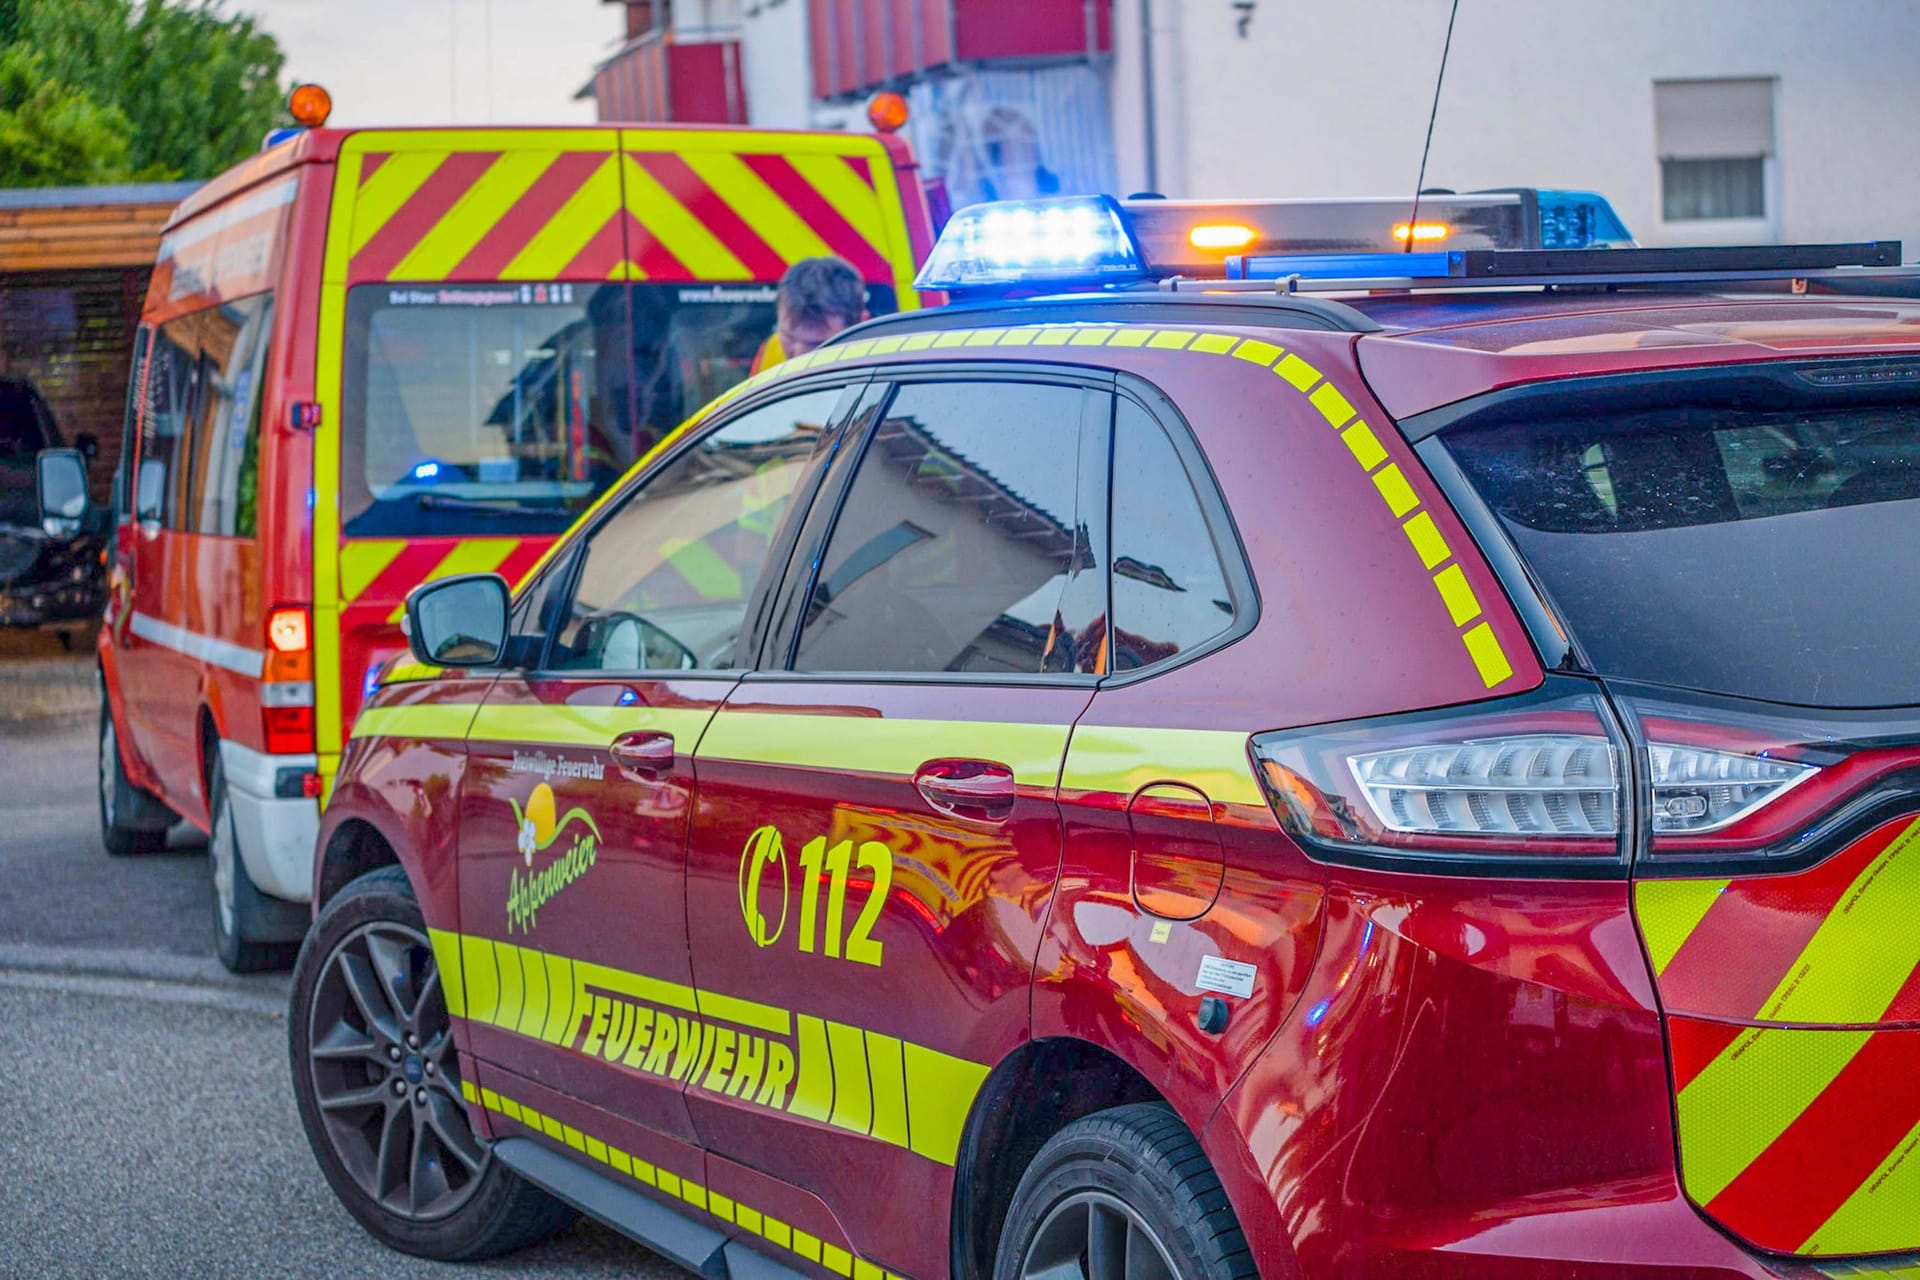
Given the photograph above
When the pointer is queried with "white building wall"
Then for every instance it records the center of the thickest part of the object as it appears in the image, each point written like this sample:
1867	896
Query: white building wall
776	67
1330	97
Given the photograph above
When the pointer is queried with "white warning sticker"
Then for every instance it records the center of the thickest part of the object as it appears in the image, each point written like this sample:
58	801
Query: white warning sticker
1229	977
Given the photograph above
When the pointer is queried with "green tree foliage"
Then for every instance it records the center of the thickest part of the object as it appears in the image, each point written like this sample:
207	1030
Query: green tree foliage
52	133
189	88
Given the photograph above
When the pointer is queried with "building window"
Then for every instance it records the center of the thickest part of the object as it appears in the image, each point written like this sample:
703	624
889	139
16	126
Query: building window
1715	138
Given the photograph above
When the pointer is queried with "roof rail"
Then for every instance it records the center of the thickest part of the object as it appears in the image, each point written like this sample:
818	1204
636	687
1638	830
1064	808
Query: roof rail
1517	268
1268	308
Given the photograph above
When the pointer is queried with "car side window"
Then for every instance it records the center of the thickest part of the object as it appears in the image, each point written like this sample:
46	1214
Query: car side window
667	579
968	541
1170	592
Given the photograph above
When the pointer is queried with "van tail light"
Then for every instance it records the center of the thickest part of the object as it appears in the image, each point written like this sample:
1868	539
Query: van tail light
286	691
1532	783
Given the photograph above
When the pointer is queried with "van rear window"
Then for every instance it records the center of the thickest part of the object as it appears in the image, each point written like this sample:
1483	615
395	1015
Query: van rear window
508	408
1760	554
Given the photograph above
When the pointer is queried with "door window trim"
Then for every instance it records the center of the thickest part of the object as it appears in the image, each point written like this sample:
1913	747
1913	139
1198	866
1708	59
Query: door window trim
570	556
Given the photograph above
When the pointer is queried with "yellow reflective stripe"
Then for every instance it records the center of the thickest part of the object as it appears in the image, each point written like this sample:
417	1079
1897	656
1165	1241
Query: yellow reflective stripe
745	1013
1744	1100
887	1073
1121	760
671	223
561	725
479	208
940	1092
1333	406
885	746
813	1085
561	999
638	985
1299	374
771	218
1457	594
1866	948
533	1003
408	670
1258	352
382	195
1428	542
560	241
363	560
1669	912
1393	487
506	1013
1879	1216
1365	447
423	720
1489	659
446	959
481	975
852	1094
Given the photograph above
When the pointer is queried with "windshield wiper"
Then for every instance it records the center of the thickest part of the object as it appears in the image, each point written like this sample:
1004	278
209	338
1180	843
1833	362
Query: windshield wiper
491	506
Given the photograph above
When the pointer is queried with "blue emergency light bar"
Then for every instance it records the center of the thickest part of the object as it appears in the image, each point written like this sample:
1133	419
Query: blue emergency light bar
1479	240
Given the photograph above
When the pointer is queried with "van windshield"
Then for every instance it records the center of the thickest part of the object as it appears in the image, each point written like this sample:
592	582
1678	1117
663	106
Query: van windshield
1763	554
508	408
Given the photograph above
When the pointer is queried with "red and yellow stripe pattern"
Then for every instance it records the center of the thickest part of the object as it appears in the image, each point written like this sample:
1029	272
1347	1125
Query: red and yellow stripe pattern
605	204
378	572
1795	1027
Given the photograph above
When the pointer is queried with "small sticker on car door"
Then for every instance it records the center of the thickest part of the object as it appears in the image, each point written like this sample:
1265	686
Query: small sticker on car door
1228	977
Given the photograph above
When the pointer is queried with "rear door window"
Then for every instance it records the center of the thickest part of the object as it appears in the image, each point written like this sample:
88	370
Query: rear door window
1760	554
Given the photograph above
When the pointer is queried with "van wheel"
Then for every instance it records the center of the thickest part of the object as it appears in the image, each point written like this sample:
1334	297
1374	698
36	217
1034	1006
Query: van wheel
245	920
377	1081
131	820
1124	1194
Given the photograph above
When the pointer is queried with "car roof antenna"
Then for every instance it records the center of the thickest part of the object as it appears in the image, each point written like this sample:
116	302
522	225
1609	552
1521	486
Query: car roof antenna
1413	219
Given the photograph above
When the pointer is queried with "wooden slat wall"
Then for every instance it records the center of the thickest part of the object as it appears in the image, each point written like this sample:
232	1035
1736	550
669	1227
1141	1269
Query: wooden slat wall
81	237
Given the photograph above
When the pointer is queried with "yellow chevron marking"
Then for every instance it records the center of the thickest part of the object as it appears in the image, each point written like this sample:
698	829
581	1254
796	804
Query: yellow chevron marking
673	224
567	232
364	560
474	214
1879	1216
1863	951
1748	1096
771	218
381	196
851	198
475	555
1669	911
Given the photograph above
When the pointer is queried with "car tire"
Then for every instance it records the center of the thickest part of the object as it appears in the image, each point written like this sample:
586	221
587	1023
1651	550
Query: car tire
249	928
368	1018
1123	1194
131	820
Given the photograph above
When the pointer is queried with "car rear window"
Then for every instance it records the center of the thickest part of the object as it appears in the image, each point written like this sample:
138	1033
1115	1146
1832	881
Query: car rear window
1762	554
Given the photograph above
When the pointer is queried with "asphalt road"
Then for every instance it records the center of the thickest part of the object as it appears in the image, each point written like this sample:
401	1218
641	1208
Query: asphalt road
150	1127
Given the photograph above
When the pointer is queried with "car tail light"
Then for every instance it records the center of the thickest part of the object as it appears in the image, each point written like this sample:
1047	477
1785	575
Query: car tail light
286	691
1533	779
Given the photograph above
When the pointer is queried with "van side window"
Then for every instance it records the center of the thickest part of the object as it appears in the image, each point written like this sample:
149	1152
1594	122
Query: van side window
228	345
968	537
130	426
1170	592
173	376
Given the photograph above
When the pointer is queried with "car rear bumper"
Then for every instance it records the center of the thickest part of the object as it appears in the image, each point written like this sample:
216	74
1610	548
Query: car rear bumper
275	834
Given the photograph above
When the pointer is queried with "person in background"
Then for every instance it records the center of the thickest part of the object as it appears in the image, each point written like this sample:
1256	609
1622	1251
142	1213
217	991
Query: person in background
818	298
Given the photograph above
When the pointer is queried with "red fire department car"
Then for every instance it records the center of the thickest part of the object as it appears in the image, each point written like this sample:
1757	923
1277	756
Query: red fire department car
1376	765
371	357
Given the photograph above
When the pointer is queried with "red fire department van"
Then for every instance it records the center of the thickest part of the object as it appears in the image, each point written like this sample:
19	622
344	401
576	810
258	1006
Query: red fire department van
372	357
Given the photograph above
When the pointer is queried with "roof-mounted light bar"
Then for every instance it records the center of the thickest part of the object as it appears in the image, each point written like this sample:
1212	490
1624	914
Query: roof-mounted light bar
1025	243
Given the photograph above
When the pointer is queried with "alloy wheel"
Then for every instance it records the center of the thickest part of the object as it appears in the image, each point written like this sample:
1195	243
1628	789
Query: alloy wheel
384	1074
1095	1236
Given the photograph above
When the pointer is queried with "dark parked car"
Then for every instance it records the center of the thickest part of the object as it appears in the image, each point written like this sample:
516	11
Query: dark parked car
43	580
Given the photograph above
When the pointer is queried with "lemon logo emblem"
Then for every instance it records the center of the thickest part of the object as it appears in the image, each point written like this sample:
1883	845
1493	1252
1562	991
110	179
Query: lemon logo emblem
536	823
764	852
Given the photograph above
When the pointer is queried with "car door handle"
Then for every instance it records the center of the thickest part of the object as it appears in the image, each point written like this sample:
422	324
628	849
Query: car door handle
648	752
981	790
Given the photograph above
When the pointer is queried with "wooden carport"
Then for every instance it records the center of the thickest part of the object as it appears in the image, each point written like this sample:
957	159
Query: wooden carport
74	263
